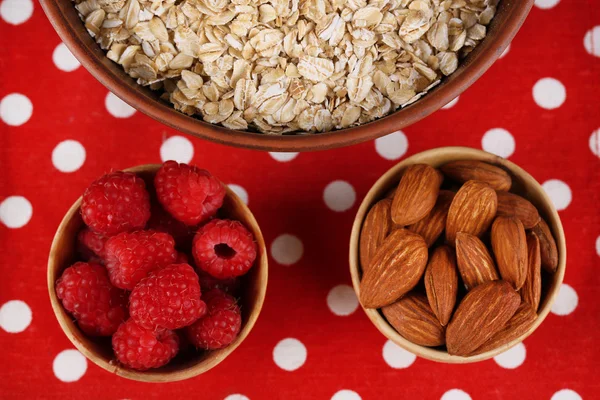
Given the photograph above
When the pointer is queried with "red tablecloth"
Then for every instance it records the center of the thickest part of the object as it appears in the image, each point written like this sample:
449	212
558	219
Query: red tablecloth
539	106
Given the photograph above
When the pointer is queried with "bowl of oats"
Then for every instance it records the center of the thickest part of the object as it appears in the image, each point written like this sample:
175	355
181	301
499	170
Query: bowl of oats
287	75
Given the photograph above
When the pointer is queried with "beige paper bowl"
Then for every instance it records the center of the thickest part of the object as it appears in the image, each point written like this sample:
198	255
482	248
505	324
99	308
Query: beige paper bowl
99	350
523	184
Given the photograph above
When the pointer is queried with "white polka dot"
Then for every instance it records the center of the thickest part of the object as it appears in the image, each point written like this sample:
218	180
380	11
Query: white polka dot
598	246
392	146
240	191
511	358
498	141
549	93
16	12
595	142
15	109
546	4
396	357
283	156
566	301
69	365
287	249
68	156
346	394
15	211
566	394
64	59
505	52
559	192
591	41
15	316
236	397
177	148
342	300
456	394
339	196
289	354
117	107
451	104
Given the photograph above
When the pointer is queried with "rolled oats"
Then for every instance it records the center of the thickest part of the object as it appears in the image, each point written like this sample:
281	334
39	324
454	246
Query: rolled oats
279	66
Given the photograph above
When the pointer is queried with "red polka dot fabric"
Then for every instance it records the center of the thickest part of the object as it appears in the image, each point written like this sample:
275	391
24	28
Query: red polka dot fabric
59	129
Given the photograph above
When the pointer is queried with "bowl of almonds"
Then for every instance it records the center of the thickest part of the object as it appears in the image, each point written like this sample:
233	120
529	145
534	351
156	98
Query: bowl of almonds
287	75
457	255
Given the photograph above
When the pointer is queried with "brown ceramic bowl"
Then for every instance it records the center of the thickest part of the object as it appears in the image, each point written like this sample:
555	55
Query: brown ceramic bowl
509	17
523	184
184	366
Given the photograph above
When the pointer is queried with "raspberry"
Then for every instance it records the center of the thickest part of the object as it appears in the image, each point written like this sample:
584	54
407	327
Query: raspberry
86	292
221	324
143	349
167	298
131	256
224	248
209	282
191	195
116	202
90	244
162	221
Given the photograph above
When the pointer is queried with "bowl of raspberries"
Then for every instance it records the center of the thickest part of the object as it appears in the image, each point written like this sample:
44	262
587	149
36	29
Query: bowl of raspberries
158	272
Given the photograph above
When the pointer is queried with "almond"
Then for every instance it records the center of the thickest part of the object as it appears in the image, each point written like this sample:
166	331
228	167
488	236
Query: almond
441	283
512	205
473	170
482	313
472	210
414	320
548	249
416	194
431	227
510	248
531	292
391	193
518	325
474	261
375	229
395	269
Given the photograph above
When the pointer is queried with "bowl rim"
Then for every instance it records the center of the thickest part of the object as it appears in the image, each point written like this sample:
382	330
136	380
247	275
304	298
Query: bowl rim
376	192
158	376
299	142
